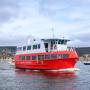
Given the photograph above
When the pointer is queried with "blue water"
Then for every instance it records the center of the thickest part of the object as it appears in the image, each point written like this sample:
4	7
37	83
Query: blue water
11	79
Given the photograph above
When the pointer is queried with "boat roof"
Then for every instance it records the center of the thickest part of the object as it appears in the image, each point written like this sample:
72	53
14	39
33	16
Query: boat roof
51	39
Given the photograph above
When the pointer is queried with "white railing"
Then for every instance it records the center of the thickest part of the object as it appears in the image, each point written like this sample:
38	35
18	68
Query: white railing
70	49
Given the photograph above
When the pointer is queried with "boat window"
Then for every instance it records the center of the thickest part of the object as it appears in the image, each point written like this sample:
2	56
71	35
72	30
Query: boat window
53	56
53	42
24	48
34	57
19	48
47	56
40	57
28	47
62	41
38	46
22	57
34	46
65	55
60	56
56	41
59	41
27	57
46	46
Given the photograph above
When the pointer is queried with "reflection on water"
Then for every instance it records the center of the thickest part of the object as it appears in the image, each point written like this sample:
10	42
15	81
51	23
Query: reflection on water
48	74
46	80
11	79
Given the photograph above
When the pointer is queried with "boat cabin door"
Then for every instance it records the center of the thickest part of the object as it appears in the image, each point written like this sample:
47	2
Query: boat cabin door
40	59
46	46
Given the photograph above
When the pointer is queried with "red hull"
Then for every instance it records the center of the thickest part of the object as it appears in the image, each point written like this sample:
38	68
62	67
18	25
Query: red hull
52	64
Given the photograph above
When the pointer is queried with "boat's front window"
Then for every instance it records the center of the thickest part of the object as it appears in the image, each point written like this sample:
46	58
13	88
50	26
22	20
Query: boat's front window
59	41
62	42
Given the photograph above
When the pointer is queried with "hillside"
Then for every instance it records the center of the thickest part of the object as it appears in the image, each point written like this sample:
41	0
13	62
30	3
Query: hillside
82	50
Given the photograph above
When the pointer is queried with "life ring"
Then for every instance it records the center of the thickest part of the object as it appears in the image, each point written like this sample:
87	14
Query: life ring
55	47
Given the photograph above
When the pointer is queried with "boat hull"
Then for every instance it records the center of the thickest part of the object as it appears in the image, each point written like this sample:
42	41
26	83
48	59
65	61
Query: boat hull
48	65
52	64
86	62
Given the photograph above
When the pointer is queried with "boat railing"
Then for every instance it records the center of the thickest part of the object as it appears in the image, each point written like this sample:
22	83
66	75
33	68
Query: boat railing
70	49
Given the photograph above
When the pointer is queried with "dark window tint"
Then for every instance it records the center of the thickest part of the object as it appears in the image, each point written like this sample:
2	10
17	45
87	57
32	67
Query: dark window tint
38	46
53	56
65	55
62	41
40	57
27	57
53	42
59	42
28	47
47	56
60	56
22	57
24	48
34	46
34	57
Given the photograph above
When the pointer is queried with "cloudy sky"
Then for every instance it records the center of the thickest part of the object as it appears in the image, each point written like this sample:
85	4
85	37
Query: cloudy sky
20	19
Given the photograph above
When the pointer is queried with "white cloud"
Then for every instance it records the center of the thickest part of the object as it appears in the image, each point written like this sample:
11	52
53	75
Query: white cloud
31	19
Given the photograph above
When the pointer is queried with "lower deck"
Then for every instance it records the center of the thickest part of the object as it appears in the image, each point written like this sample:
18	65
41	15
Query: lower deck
49	60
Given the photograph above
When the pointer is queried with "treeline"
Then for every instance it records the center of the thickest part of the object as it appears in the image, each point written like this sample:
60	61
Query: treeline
82	50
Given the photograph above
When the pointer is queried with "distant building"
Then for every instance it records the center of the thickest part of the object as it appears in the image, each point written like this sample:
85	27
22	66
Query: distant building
7	52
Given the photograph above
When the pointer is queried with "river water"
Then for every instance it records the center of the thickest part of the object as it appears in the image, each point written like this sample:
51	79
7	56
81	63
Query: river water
11	79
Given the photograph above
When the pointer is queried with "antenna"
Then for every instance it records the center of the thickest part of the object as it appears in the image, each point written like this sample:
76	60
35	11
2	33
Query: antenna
53	35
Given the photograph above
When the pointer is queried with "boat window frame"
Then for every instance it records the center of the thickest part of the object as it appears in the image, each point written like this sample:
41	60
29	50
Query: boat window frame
38	46
21	58
65	56
24	48
47	57
35	46
41	57
53	56
19	48
26	58
29	47
34	57
60	56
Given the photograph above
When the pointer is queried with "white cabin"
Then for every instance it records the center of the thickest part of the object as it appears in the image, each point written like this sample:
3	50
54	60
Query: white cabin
43	45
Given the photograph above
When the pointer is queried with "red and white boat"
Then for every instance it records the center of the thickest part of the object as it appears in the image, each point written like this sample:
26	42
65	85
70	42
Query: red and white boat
46	54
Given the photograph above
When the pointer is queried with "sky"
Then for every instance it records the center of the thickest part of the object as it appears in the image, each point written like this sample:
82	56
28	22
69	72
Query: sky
22	19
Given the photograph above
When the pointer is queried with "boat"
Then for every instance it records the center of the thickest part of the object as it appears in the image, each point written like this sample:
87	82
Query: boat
85	59
86	62
45	54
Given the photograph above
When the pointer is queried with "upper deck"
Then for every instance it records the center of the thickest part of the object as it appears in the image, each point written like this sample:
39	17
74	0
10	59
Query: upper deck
43	45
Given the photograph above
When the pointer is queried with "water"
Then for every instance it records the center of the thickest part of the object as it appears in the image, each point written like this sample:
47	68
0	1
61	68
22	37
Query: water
11	79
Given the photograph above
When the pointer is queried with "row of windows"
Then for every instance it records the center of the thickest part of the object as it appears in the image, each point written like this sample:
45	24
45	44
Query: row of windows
58	42
37	46
45	57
